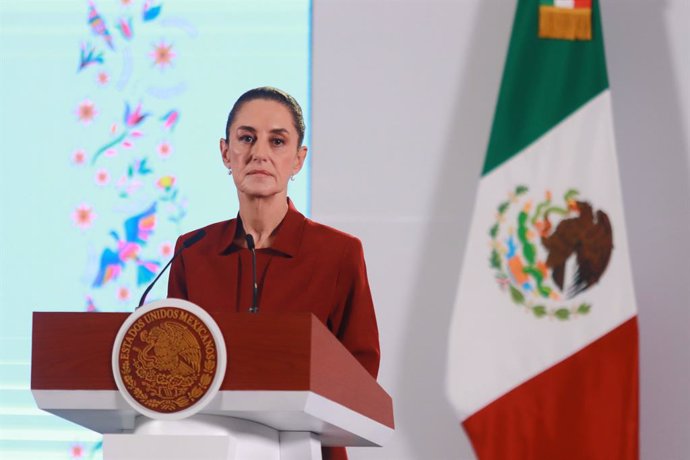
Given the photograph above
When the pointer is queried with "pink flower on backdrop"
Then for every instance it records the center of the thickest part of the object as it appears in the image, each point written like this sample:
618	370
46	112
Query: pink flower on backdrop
76	451
103	78
127	144
86	111
134	117
170	119
111	153
122	294
124	25
162	55
164	149
166	249
83	216
102	177
79	157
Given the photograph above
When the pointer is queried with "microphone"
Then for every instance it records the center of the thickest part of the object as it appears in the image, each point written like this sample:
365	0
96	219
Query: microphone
192	240
255	288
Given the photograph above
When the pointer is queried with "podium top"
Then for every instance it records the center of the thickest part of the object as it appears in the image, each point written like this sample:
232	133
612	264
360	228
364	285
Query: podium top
266	352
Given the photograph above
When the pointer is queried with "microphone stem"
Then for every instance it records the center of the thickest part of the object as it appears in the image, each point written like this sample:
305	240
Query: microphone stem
255	287
150	286
185	244
255	290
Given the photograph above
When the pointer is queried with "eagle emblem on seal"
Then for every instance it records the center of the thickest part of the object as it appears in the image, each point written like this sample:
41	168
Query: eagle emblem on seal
546	252
170	348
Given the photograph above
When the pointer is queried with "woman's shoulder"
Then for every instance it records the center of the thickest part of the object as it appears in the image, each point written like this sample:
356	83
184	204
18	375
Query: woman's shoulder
330	235
332	245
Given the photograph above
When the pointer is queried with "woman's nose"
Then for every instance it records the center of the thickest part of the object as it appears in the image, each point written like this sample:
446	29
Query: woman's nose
260	151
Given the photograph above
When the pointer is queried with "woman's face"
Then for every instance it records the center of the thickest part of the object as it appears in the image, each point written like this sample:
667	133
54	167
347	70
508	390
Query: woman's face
262	149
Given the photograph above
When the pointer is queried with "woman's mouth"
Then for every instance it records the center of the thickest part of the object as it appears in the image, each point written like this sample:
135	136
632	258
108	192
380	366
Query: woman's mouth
259	172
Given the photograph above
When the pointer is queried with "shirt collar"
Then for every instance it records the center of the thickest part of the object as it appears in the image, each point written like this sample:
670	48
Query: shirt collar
288	234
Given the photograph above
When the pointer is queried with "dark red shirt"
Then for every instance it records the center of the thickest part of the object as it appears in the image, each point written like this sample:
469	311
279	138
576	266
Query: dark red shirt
309	267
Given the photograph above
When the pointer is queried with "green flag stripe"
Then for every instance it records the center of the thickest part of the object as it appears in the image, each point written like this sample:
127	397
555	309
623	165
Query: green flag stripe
544	81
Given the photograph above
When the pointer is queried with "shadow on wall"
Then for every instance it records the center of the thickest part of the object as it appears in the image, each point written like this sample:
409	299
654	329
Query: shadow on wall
653	158
422	393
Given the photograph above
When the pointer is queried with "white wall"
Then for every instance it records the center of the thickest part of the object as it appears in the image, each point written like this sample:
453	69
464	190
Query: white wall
403	97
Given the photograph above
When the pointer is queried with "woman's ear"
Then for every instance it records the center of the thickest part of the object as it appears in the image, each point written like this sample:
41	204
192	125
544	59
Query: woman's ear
225	152
299	161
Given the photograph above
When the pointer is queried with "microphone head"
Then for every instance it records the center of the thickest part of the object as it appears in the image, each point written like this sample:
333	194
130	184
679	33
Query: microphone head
194	238
250	241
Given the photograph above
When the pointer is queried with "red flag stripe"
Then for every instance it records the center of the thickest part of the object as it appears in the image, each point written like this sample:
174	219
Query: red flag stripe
586	406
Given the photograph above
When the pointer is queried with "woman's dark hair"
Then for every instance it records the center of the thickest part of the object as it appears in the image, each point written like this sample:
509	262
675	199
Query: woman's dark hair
271	94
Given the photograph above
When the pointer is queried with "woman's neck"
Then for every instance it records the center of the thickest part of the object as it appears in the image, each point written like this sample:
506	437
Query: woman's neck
260	217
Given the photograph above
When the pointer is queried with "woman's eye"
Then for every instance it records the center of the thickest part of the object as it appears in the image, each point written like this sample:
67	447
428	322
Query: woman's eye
247	138
278	142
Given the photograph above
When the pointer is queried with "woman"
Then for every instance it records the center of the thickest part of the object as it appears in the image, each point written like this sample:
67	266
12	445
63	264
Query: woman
301	265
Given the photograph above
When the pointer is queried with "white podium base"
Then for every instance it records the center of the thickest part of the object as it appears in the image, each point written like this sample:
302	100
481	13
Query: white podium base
209	437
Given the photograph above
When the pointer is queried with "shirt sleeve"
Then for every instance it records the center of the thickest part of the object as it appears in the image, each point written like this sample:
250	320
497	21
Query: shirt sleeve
177	282
354	318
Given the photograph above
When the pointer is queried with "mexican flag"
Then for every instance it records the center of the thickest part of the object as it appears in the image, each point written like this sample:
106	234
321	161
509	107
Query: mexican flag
543	360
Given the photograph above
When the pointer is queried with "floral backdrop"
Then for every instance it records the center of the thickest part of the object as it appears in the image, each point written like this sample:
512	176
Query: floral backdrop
127	135
110	115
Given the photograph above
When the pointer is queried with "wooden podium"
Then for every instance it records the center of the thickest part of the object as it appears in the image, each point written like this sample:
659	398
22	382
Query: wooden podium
289	388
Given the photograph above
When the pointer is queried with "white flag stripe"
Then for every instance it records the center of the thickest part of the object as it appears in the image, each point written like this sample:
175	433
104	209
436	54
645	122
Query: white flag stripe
495	345
564	3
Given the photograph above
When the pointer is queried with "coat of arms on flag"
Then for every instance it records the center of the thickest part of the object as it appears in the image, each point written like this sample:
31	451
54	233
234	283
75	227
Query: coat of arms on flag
546	251
565	19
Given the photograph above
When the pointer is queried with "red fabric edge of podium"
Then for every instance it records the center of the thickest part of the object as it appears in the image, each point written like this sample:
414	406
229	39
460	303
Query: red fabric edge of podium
283	352
585	407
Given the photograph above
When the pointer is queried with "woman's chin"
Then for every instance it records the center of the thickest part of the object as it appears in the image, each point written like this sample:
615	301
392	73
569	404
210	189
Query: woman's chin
261	192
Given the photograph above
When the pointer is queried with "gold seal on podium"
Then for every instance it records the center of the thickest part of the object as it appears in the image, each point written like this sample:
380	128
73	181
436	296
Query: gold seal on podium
167	357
